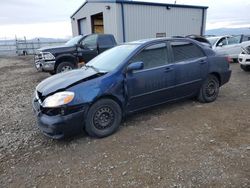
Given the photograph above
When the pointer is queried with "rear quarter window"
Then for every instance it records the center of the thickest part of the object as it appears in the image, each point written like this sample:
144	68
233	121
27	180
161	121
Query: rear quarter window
183	51
105	41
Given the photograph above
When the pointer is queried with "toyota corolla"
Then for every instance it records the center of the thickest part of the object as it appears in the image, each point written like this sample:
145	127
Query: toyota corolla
126	79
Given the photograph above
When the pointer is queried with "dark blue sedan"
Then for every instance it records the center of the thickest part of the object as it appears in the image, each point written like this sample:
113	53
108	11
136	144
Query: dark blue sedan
125	79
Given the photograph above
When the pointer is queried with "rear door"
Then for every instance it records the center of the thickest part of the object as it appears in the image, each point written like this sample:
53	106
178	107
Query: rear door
191	67
153	84
105	42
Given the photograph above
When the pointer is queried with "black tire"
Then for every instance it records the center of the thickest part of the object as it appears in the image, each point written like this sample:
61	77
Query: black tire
245	67
64	67
103	118
52	73
209	90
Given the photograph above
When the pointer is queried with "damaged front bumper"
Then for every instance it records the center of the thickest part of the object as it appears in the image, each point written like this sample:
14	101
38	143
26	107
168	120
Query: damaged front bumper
46	66
59	126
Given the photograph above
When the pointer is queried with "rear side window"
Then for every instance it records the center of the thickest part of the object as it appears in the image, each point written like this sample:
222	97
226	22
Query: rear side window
185	50
105	40
246	38
153	56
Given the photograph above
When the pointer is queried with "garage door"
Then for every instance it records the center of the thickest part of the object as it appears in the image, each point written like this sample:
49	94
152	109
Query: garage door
82	26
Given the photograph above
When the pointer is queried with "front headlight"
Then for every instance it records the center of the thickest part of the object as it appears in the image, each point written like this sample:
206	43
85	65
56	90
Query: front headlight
58	99
48	56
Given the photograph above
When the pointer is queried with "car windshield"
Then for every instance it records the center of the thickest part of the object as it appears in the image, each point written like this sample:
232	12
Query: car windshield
73	41
212	40
111	59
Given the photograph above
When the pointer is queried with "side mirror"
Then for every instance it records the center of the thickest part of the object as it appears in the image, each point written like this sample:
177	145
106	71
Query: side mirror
220	44
80	45
135	66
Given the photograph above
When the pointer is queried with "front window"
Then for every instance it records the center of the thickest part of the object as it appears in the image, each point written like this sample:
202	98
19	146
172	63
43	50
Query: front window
74	41
111	59
222	42
90	41
153	56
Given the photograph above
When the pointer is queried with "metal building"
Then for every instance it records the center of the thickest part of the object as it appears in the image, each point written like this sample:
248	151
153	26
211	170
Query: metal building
133	20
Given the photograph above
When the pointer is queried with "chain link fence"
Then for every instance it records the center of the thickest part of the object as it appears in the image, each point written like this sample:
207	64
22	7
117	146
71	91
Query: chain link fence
15	47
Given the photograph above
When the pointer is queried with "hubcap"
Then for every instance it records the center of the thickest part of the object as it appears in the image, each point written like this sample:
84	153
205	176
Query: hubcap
103	118
66	68
211	89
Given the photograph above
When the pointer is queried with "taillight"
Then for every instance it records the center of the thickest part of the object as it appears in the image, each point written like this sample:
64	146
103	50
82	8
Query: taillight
229	59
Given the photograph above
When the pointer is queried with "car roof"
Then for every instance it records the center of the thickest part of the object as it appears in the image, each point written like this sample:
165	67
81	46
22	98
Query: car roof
218	37
150	40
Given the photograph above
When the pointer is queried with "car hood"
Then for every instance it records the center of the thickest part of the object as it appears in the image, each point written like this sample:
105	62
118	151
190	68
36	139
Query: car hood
57	49
65	80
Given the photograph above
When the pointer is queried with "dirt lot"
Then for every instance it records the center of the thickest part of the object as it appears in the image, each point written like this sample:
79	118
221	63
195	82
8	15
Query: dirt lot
187	144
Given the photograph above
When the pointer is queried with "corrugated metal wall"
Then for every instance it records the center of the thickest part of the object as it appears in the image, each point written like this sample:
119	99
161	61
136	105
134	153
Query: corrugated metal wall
111	18
142	21
145	21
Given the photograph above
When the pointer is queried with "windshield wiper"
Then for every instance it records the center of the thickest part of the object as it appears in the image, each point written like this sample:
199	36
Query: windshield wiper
92	67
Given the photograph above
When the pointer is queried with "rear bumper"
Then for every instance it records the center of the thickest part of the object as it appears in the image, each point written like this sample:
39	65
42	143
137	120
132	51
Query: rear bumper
225	77
59	126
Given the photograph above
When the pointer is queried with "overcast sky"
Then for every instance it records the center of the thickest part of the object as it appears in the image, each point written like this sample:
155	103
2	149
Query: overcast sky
51	18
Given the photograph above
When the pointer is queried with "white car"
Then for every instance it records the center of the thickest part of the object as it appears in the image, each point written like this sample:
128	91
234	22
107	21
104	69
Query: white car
218	41
228	45
244	58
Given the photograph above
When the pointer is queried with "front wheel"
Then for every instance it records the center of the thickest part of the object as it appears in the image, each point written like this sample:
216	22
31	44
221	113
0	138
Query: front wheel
52	73
209	90
103	118
65	67
245	67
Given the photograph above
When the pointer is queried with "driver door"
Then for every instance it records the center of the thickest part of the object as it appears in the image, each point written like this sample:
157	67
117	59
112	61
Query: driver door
88	49
154	83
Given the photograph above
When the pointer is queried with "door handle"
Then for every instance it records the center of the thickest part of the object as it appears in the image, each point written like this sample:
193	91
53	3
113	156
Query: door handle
202	62
168	69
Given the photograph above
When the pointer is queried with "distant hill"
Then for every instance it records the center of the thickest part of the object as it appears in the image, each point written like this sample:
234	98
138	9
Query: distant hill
228	31
49	40
43	40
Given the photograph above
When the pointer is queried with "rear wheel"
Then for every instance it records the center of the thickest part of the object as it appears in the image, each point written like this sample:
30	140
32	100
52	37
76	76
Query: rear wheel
209	90
65	67
245	67
103	118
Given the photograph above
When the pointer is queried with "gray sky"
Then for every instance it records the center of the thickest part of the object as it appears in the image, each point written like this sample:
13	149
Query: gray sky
51	18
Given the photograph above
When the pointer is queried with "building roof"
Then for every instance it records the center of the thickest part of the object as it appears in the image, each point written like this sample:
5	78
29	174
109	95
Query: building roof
139	3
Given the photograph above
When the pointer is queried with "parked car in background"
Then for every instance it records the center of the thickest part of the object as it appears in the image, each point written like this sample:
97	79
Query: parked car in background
229	45
242	38
198	38
218	41
126	79
201	39
79	50
244	57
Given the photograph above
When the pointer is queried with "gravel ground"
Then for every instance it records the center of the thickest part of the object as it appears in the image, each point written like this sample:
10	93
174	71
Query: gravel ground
186	144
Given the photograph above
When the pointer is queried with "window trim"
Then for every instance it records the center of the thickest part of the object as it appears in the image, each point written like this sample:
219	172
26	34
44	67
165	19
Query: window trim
190	59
